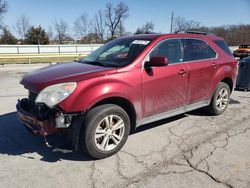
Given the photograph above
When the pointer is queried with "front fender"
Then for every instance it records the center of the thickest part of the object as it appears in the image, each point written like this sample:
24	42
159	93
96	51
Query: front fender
90	92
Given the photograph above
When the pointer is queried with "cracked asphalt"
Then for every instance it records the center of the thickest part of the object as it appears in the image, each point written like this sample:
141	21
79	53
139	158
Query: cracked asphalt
189	150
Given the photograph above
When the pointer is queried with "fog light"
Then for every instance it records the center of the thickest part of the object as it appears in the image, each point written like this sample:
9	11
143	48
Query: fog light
62	120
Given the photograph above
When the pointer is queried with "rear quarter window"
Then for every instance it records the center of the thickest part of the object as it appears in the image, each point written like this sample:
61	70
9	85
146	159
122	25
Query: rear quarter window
222	44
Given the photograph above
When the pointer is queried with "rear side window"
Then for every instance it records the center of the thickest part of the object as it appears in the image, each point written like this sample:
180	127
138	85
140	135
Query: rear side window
195	49
223	46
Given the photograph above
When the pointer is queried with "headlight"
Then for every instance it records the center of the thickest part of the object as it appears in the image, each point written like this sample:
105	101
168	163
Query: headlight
54	94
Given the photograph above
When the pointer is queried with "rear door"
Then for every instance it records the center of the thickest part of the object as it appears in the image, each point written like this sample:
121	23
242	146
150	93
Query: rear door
165	88
202	62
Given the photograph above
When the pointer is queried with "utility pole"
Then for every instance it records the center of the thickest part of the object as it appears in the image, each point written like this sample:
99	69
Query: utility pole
120	28
172	19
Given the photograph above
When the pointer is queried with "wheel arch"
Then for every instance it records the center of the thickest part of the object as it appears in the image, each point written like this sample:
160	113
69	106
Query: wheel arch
229	82
76	128
224	74
124	104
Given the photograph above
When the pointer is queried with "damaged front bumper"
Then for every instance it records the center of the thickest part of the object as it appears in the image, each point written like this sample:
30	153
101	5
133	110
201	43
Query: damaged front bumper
42	126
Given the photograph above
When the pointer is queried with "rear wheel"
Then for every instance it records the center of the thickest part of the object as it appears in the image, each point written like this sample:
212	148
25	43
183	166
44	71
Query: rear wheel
105	130
220	100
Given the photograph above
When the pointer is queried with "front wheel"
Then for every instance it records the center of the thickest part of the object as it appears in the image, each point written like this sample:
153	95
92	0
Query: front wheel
220	100
105	130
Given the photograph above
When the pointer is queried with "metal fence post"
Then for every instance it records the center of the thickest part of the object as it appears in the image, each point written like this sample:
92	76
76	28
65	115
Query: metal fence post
17	49
38	48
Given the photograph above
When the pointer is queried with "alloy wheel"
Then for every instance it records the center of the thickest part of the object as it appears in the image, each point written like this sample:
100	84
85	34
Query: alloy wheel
109	132
222	99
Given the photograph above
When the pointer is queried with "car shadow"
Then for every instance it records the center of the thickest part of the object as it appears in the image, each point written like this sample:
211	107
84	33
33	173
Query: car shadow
198	112
233	101
158	123
16	140
242	89
204	112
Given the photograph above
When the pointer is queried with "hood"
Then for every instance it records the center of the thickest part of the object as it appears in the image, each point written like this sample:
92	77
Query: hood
64	72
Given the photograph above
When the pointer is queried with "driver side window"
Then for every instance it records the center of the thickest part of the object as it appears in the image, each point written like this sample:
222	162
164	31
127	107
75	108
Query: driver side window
170	49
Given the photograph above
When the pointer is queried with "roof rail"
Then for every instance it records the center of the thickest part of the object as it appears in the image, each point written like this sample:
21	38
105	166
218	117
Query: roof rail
194	32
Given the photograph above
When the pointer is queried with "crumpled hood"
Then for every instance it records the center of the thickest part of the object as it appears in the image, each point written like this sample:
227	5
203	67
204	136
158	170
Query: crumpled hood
64	72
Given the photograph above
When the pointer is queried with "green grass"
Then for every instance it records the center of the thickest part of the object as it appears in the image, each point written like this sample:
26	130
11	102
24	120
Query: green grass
38	60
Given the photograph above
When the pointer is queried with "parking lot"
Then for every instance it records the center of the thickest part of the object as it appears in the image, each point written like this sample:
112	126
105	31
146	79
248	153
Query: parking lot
189	150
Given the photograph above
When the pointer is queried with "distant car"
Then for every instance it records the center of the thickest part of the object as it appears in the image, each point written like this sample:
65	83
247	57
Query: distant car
128	82
242	51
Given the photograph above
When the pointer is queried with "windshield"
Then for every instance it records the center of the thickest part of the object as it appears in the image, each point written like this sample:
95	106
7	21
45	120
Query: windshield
117	53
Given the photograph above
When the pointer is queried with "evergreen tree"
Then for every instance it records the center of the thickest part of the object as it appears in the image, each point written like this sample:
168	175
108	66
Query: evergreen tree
36	35
7	37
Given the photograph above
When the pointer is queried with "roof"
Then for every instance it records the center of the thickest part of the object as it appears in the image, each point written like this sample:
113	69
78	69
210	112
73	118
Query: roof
184	35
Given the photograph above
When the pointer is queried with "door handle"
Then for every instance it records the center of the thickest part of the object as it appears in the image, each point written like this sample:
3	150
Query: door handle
182	72
214	65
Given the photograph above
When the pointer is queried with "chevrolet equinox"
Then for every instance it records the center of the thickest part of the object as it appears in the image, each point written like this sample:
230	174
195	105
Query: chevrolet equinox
126	83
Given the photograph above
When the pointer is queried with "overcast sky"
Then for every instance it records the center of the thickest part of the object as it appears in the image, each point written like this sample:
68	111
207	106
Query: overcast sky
207	12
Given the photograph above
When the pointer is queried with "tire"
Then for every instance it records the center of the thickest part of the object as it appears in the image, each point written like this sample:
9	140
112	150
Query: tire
100	135
220	99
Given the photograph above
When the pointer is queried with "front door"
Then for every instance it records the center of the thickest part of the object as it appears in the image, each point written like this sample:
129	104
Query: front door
165	88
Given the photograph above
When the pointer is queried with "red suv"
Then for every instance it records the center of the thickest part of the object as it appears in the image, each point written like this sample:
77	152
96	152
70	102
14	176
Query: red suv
126	83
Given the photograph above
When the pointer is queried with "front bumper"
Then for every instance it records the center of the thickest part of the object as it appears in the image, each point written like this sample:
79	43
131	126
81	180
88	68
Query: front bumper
36	125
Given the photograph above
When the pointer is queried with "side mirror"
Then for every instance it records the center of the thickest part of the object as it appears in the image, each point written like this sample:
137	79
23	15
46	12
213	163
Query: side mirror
156	62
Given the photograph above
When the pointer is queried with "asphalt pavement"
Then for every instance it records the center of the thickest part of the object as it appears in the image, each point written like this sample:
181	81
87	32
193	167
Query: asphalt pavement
189	150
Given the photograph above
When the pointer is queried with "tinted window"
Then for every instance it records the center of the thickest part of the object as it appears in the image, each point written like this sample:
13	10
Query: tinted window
170	49
195	49
223	46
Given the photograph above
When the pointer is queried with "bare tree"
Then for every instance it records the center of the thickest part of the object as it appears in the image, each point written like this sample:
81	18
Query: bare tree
147	28
98	25
61	30
181	24
114	15
81	26
3	9
233	34
22	25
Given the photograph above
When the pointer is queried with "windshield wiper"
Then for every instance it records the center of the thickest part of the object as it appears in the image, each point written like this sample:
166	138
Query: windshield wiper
98	63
